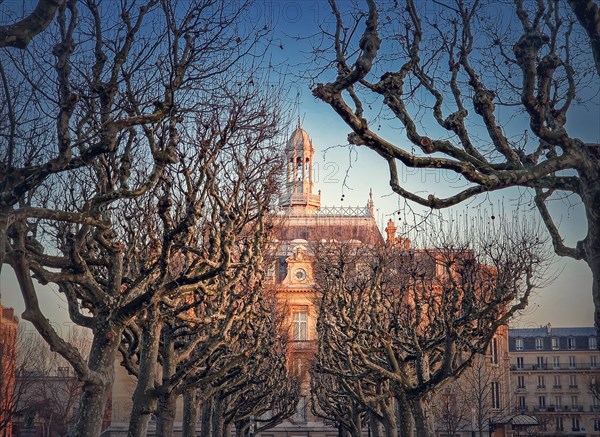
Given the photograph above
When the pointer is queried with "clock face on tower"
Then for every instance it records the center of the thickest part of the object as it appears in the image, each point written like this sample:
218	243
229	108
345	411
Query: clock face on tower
300	274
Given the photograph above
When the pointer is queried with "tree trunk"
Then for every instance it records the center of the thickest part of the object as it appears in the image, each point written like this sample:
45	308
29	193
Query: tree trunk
242	427
144	396
88	422
91	410
388	412
167	408
374	426
206	418
423	417
167	400
217	417
356	425
404	417
190	413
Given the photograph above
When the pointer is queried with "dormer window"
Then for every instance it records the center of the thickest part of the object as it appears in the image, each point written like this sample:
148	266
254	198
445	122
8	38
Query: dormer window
571	343
519	344
592	343
539	343
555	343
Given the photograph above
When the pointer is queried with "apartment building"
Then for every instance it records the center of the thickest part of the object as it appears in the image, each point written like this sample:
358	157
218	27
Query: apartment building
479	402
551	372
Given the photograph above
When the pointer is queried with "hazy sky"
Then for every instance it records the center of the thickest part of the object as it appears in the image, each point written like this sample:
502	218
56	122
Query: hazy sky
566	302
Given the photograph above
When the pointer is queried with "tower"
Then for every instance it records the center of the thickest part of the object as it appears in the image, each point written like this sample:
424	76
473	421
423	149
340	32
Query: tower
298	198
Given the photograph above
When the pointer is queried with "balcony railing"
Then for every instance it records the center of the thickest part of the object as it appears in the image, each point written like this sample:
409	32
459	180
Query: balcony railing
555	408
528	367
304	345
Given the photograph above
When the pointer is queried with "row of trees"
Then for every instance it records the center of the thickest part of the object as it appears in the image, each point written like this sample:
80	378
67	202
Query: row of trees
397	325
139	161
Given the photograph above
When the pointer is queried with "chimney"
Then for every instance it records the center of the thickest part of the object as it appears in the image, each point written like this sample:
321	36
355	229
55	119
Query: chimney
390	230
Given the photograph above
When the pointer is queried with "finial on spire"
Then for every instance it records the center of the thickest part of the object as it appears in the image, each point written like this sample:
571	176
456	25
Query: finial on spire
370	205
299	122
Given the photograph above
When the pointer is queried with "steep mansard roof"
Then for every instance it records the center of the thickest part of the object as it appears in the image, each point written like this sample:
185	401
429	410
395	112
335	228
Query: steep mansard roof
314	228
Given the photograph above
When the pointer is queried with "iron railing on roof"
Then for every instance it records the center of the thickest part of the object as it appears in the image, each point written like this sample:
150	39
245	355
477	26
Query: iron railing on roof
331	211
344	211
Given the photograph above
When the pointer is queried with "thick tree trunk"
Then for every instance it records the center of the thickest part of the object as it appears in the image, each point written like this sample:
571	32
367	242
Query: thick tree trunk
88	422
206	418
217	417
190	413
91	410
167	408
241	428
423	417
144	396
390	424
404	417
356	428
374	425
390	428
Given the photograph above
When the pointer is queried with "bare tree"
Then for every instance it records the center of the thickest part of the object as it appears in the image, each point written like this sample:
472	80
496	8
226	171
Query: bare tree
476	386
481	393
423	315
451	411
437	76
91	121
